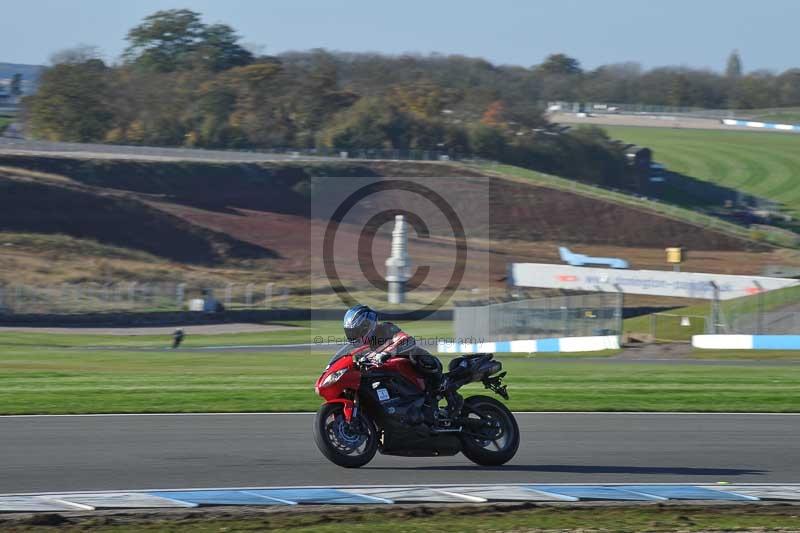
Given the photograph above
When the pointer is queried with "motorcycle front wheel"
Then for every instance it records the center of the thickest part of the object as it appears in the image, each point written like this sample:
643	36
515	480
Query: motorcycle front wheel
498	442
350	445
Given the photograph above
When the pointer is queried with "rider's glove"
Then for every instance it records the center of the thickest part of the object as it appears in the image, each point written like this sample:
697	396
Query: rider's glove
376	358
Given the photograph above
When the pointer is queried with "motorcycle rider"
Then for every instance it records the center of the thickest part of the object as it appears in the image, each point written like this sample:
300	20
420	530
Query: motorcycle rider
386	340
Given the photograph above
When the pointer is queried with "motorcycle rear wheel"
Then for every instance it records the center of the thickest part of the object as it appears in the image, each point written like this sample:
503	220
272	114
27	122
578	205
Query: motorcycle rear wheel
349	445
488	452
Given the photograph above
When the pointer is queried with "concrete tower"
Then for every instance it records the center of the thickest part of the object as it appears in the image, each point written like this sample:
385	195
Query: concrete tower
398	265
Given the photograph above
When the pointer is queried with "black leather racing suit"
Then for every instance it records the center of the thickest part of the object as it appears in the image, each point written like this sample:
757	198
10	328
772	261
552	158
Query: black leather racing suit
388	340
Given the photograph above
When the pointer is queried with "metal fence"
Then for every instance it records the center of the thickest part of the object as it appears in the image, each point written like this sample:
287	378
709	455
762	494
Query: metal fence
609	108
773	312
643	109
250	154
560	316
78	298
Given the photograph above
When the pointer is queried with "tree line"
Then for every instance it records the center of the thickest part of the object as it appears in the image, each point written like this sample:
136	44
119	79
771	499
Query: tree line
182	82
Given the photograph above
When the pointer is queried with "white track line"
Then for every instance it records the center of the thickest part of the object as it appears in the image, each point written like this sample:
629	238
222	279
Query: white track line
308	413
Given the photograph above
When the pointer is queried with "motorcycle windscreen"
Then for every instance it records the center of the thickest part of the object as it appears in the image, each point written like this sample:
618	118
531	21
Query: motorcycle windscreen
345	351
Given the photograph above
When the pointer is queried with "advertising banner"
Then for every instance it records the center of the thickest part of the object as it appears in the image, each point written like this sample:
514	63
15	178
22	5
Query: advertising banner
652	282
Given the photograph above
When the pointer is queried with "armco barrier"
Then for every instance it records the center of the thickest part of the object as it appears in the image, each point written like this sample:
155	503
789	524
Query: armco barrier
746	342
760	125
566	344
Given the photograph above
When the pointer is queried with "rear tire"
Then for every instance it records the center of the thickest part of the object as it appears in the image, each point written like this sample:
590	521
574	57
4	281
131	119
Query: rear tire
491	452
348	445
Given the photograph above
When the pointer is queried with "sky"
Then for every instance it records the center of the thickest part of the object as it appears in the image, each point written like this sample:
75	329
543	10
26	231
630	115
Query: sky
696	33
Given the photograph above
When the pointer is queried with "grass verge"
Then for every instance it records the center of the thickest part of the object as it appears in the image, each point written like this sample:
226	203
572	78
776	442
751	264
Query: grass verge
59	381
409	519
302	332
780	115
756	162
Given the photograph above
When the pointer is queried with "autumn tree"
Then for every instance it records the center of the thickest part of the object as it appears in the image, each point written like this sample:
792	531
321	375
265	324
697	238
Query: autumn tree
71	103
177	39
370	123
733	68
560	64
493	116
488	142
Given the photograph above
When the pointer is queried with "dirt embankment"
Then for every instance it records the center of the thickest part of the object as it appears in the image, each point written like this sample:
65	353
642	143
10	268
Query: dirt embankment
530	213
198	212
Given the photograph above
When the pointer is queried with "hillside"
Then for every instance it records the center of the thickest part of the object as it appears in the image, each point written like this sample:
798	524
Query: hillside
68	219
759	163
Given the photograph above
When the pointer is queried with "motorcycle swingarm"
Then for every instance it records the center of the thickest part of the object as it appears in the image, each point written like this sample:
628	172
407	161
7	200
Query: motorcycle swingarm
472	427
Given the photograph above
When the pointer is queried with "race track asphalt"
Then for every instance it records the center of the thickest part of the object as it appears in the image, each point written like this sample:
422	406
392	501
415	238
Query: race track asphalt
66	453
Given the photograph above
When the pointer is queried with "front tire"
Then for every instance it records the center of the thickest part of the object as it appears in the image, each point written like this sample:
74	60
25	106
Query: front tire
488	451
349	445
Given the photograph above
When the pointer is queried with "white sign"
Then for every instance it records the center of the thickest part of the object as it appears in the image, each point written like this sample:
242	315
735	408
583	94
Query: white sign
651	282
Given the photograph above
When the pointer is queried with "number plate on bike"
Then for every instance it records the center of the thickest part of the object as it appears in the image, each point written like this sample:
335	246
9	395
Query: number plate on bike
383	394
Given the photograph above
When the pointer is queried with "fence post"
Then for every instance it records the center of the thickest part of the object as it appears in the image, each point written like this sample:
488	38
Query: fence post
620	305
268	295
759	308
715	308
180	291
228	295
132	294
248	294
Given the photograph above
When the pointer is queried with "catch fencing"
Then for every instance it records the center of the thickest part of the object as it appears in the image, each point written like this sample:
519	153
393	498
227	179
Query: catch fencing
81	298
574	315
773	312
641	109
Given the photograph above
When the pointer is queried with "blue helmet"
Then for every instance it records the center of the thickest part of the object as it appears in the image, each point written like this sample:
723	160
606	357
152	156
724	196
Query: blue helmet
359	323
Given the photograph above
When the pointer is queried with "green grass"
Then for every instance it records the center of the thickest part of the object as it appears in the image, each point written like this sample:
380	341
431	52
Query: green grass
760	163
779	115
302	332
749	355
443	519
4	122
74	380
670	329
64	244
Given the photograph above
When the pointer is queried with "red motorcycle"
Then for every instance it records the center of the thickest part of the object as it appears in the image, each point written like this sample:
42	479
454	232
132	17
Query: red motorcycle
392	409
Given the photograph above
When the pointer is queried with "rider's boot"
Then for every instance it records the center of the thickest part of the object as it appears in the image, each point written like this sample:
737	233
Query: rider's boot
445	417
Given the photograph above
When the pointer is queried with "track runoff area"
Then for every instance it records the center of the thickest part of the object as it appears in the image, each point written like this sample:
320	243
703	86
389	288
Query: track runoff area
750	453
93	462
